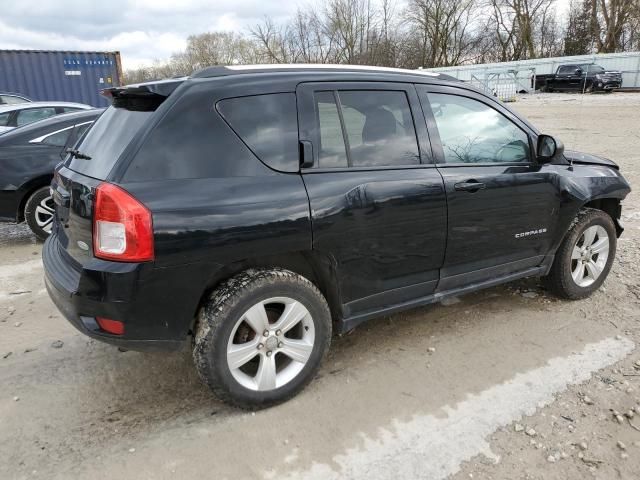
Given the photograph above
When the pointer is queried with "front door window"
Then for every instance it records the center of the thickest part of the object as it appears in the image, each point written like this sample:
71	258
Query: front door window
472	132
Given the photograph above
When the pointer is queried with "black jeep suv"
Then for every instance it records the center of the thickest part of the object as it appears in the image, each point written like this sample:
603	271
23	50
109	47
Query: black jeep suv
253	211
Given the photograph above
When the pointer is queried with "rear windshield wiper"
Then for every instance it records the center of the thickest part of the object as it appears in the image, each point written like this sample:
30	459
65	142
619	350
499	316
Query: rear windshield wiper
78	154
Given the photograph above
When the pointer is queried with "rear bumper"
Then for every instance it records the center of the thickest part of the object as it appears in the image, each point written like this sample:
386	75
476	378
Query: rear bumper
118	292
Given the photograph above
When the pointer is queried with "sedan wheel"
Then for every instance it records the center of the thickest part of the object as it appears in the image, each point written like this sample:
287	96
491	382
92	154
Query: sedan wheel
39	212
44	214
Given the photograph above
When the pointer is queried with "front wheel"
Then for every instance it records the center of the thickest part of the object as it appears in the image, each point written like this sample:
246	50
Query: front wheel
585	256
261	336
38	212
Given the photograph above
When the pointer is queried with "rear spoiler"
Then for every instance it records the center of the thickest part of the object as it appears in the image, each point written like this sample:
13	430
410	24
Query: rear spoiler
142	97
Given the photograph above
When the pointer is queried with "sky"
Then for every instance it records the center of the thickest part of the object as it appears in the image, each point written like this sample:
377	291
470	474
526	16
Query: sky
142	30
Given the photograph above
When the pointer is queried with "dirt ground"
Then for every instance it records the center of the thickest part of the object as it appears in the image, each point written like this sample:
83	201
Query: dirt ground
508	383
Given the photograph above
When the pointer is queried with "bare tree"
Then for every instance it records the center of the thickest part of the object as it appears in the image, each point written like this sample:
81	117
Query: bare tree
609	19
444	30
524	28
423	33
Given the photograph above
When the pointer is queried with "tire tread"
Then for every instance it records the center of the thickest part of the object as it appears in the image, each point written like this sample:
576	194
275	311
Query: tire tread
559	281
215	312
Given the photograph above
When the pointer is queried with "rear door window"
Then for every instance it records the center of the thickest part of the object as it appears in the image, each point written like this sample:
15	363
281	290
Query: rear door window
60	138
332	150
363	128
106	141
268	125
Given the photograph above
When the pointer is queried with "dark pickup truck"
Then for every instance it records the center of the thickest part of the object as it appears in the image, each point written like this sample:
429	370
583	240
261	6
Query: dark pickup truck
584	78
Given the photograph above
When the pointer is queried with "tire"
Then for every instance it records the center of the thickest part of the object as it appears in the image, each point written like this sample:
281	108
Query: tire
224	326
566	279
38	212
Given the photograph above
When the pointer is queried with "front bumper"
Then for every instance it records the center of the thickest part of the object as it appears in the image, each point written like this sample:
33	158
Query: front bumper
607	85
83	293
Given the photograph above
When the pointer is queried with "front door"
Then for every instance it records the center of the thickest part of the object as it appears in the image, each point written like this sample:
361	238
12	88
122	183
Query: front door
377	202
502	206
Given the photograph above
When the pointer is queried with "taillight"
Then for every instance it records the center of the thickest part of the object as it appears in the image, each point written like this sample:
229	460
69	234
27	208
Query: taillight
122	226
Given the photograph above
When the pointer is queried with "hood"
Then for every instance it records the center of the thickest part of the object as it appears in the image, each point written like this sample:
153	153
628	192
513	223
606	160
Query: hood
585	158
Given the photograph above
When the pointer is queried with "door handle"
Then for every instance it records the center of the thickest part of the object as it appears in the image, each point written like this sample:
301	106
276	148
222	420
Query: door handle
470	186
306	154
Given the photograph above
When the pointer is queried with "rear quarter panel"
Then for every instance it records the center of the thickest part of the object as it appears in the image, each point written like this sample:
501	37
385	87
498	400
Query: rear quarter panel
223	220
23	168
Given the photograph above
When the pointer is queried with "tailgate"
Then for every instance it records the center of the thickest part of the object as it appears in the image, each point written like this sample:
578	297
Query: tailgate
92	160
73	195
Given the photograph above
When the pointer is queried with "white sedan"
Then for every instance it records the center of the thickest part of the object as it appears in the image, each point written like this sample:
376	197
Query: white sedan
12	116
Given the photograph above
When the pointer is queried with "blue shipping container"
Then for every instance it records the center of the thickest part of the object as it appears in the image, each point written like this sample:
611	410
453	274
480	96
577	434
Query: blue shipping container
66	76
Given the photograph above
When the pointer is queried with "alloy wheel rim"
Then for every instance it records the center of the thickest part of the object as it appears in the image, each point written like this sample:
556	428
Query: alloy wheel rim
270	344
44	214
589	256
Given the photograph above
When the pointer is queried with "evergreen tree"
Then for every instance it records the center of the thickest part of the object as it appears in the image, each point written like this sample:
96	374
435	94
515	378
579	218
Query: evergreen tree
578	37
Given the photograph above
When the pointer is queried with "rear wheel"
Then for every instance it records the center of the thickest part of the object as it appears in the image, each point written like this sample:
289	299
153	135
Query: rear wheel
584	259
261	337
38	212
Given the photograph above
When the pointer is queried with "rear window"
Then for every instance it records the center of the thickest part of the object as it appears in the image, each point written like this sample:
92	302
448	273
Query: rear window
31	115
268	124
11	100
106	141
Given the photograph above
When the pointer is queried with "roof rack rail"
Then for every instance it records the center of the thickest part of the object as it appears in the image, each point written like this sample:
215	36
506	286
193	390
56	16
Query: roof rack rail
221	71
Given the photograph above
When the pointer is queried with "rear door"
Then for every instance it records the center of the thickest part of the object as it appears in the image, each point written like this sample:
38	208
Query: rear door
377	203
502	206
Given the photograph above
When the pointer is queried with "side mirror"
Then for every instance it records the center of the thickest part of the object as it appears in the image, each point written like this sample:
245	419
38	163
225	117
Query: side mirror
549	148
579	71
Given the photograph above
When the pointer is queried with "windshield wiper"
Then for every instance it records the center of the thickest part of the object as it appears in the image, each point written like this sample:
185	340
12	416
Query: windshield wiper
78	154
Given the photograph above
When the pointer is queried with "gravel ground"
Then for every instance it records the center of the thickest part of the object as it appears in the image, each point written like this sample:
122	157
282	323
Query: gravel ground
508	383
